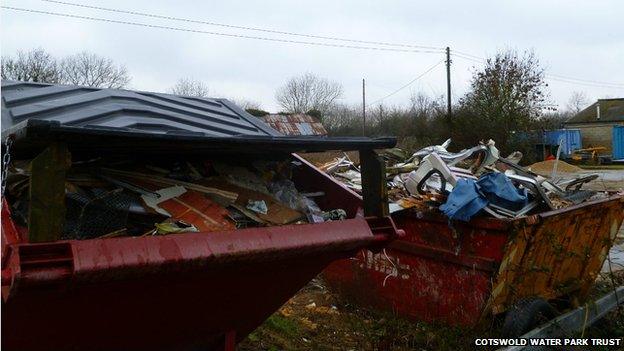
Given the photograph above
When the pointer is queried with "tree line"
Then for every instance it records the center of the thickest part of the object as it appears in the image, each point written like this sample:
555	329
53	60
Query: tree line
507	95
507	100
83	68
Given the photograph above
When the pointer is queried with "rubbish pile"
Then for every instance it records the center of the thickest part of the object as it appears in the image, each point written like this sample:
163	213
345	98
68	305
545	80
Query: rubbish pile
124	197
467	183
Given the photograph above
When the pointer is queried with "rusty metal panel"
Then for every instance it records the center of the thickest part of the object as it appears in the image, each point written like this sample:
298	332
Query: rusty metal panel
435	273
295	124
557	253
461	272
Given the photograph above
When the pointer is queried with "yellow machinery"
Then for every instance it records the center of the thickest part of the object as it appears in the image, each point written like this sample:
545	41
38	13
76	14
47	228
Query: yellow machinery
590	155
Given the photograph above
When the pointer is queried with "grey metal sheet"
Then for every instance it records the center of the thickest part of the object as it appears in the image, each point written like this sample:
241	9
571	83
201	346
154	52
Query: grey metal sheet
127	110
122	121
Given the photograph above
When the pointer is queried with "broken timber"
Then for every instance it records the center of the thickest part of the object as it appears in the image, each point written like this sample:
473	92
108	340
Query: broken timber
374	189
224	196
46	212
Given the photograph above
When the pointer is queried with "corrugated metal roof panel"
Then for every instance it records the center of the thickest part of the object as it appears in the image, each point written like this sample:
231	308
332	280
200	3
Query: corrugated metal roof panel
125	109
295	124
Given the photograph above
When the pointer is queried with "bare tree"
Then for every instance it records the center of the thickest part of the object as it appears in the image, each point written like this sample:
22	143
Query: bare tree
578	101
423	105
246	104
308	92
189	87
33	66
344	119
91	70
81	69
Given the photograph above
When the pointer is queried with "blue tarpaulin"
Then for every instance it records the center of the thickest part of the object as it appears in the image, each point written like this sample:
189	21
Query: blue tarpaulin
500	191
469	196
464	201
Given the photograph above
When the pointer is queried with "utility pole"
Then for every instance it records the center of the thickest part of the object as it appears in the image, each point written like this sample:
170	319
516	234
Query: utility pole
448	87
363	107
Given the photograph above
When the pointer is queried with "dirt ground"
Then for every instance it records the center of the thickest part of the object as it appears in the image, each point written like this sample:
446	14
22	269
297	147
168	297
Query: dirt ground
316	319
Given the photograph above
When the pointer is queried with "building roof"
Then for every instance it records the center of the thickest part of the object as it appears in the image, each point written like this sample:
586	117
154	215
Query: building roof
611	110
295	124
125	109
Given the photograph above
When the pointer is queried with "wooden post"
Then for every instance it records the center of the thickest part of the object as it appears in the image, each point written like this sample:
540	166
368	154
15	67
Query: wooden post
46	213
363	107
448	91
374	190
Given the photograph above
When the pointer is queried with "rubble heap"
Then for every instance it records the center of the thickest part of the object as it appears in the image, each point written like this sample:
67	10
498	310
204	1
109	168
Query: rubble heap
110	197
473	182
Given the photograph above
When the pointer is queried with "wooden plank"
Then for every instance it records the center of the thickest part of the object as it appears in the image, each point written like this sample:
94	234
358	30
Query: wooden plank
225	196
46	213
374	190
277	214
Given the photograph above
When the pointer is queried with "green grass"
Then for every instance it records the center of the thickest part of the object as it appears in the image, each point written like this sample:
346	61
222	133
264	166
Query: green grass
283	325
598	167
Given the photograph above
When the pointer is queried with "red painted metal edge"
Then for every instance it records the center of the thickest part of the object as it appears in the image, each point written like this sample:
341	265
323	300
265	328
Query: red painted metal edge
122	258
175	292
472	262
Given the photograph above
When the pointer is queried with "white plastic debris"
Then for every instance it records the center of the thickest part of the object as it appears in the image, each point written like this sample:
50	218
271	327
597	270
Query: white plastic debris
258	206
165	194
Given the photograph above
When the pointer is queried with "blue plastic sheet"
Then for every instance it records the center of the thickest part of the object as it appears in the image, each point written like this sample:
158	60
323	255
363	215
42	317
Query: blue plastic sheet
469	196
464	201
500	191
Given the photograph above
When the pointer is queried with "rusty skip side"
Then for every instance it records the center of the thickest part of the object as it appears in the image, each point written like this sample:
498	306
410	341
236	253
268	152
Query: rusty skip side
459	273
434	273
558	253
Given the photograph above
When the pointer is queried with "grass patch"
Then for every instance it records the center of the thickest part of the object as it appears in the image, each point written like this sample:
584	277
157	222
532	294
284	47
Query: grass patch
282	325
599	167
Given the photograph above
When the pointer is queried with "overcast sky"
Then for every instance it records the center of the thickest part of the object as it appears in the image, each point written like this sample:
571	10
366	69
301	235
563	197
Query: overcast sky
577	39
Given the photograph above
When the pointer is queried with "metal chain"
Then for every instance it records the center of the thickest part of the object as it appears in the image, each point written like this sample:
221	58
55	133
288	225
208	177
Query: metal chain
6	160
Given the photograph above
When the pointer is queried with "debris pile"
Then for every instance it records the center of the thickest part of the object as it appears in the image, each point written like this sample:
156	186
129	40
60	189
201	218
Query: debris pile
124	197
548	166
474	181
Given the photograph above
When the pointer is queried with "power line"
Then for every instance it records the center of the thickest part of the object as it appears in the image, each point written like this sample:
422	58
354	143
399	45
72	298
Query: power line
467	58
151	15
406	85
239	36
570	81
555	77
412	48
468	55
